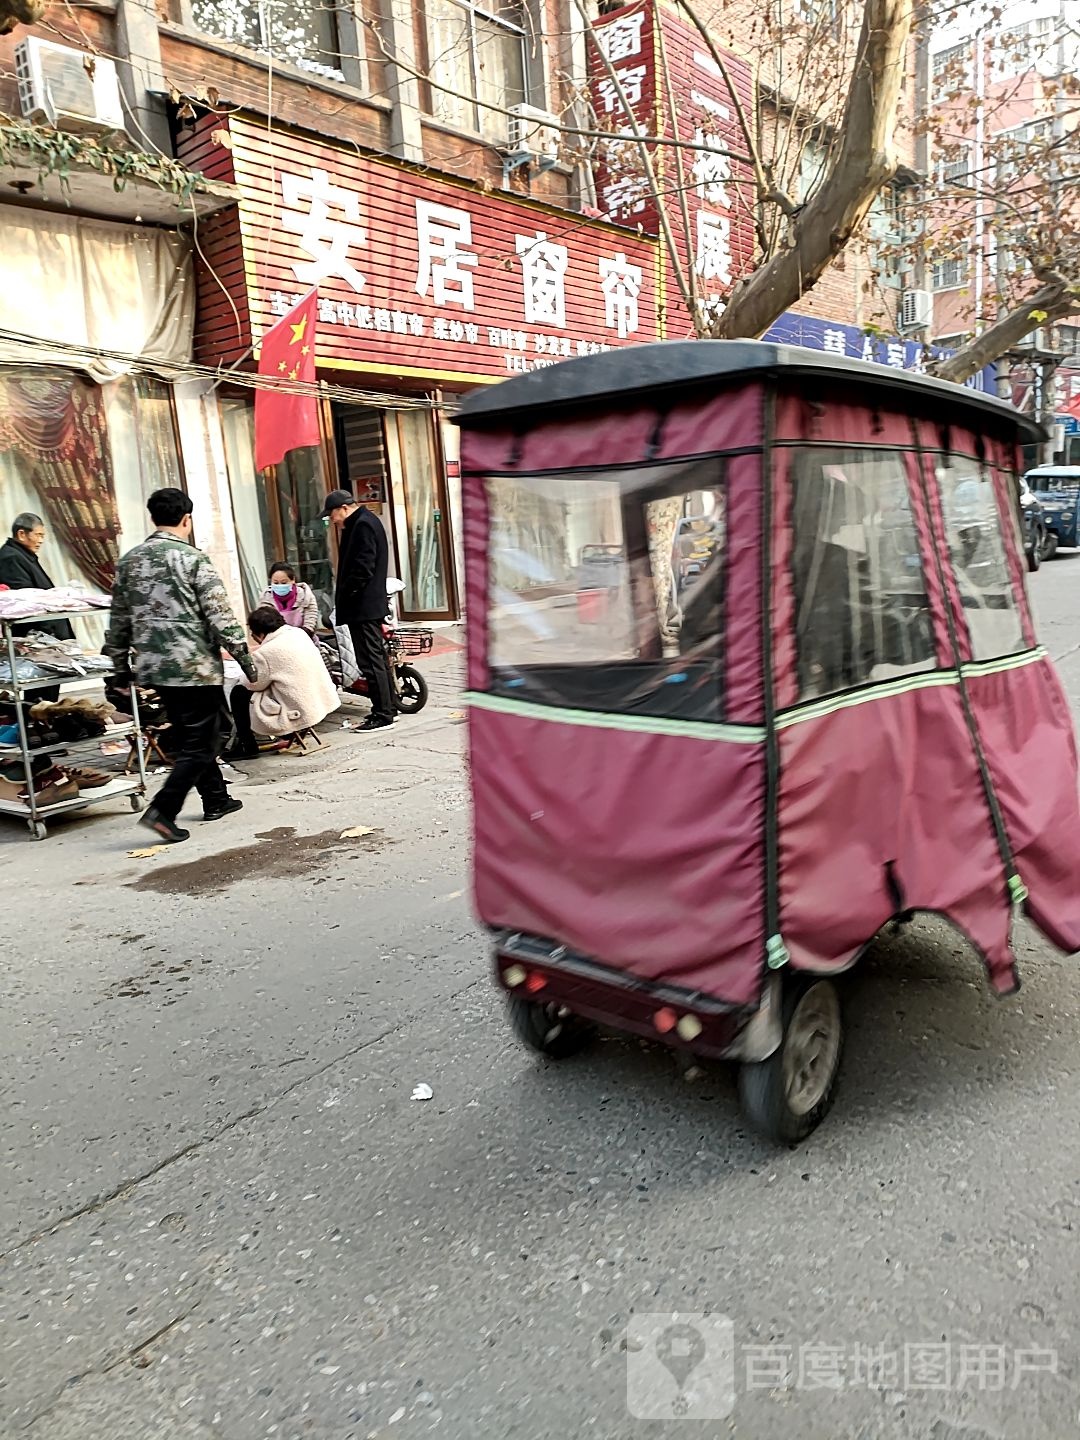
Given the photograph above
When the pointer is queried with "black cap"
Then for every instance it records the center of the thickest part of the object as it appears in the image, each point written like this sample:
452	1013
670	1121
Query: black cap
334	499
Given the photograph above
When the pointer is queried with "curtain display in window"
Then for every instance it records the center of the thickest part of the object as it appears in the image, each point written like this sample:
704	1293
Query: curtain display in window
861	608
53	430
607	589
973	529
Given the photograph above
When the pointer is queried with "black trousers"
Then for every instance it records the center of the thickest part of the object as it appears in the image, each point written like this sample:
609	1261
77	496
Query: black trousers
196	714
370	654
240	705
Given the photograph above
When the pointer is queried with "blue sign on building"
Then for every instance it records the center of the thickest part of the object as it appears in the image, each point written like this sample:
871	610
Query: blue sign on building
792	329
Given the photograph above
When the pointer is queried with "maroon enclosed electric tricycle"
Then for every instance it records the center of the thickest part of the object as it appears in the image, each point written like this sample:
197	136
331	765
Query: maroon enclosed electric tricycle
804	698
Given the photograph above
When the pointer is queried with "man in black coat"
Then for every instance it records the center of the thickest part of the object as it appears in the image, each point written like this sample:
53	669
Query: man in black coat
360	597
20	569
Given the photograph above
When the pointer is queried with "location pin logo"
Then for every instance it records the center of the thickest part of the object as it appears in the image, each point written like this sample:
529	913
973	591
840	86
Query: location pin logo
680	1348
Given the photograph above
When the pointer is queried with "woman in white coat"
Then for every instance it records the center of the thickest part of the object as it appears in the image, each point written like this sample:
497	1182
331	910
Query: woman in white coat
292	688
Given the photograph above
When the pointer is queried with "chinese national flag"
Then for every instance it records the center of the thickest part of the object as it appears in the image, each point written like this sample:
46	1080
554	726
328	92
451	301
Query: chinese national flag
1072	406
285	421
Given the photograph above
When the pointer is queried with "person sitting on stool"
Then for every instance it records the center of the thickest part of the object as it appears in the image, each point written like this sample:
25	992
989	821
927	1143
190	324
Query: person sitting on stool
360	599
291	691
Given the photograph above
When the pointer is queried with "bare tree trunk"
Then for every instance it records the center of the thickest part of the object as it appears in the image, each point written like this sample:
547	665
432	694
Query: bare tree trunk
863	163
1051	302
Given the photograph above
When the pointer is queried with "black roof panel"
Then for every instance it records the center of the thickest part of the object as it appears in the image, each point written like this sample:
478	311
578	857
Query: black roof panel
673	365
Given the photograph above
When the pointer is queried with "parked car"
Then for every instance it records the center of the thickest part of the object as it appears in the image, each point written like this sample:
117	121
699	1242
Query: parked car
1057	489
1039	543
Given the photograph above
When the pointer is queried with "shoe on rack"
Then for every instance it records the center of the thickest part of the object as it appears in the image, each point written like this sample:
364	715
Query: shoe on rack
97	783
164	829
228	806
375	722
56	786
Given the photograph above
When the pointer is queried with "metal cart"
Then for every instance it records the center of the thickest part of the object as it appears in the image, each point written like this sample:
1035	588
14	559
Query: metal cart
132	787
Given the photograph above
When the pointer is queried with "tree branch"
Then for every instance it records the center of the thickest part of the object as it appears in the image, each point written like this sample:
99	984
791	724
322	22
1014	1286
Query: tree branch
1052	301
863	164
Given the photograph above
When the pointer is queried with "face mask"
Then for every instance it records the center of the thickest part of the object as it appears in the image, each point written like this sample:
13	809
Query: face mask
282	590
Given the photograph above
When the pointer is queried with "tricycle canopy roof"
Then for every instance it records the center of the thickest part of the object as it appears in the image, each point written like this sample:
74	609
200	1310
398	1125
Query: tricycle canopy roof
678	366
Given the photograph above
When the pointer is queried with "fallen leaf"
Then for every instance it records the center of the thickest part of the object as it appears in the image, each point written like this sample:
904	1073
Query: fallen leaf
147	853
357	832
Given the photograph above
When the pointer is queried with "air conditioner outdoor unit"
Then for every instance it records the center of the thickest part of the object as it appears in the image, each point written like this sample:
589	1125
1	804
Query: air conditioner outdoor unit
916	310
534	136
69	88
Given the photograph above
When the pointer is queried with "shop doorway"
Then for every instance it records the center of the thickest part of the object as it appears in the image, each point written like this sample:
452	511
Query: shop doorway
391	461
423	535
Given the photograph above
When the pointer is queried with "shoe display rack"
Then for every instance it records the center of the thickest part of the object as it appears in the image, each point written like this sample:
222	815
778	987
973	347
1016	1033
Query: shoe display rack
35	805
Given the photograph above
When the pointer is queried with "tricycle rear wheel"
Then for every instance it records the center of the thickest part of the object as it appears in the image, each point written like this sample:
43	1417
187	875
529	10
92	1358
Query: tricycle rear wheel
787	1096
548	1029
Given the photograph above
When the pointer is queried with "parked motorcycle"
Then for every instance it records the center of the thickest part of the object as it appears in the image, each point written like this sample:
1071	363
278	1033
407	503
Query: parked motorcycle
410	690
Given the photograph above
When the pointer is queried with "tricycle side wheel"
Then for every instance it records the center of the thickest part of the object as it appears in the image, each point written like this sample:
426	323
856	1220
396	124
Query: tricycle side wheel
548	1029
787	1096
1050	545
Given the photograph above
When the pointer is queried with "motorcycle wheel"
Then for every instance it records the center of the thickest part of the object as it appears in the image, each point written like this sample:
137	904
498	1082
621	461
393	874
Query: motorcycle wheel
412	690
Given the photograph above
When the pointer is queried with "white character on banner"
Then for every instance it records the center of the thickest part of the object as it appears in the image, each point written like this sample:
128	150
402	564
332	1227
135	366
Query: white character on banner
279	303
896	354
307	213
620	39
543	275
713	260
445	265
835	341
628	193
868	348
621	284
633	84
712	171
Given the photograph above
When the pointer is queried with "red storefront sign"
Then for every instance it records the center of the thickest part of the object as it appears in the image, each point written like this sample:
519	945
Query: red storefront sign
417	276
676	90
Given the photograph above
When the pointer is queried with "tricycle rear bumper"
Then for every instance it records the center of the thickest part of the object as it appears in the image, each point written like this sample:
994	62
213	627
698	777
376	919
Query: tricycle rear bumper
550	974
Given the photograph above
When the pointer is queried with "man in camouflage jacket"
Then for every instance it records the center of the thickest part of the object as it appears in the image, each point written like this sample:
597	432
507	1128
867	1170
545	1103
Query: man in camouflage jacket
170	607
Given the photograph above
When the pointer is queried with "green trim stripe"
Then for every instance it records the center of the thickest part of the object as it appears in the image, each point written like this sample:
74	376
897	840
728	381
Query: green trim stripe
602	720
750	734
902	685
1007	662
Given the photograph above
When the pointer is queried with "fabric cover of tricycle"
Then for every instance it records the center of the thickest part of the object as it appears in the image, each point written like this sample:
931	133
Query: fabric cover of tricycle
752	668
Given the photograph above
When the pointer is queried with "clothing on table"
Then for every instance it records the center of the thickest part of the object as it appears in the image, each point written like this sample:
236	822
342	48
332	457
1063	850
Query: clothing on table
170	606
363	560
292	689
20	569
300	608
197	716
370	651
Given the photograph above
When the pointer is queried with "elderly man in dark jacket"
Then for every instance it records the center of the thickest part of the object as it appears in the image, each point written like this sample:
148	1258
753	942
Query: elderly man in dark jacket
360	597
20	569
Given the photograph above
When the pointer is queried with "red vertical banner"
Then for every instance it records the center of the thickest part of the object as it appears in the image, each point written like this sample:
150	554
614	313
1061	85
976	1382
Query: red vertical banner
627	37
678	92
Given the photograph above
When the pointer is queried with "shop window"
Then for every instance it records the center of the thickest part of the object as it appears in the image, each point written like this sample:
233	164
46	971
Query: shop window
606	590
301	31
276	515
973	529
861	612
476	60
85	457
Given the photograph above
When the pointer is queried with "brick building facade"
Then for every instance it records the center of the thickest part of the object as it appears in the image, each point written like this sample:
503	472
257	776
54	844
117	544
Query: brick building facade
367	148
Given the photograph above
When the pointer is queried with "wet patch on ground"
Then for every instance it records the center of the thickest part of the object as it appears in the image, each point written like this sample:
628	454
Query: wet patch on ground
280	854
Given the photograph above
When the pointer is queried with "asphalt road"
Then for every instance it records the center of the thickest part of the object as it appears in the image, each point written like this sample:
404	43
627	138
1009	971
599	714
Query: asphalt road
223	1217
